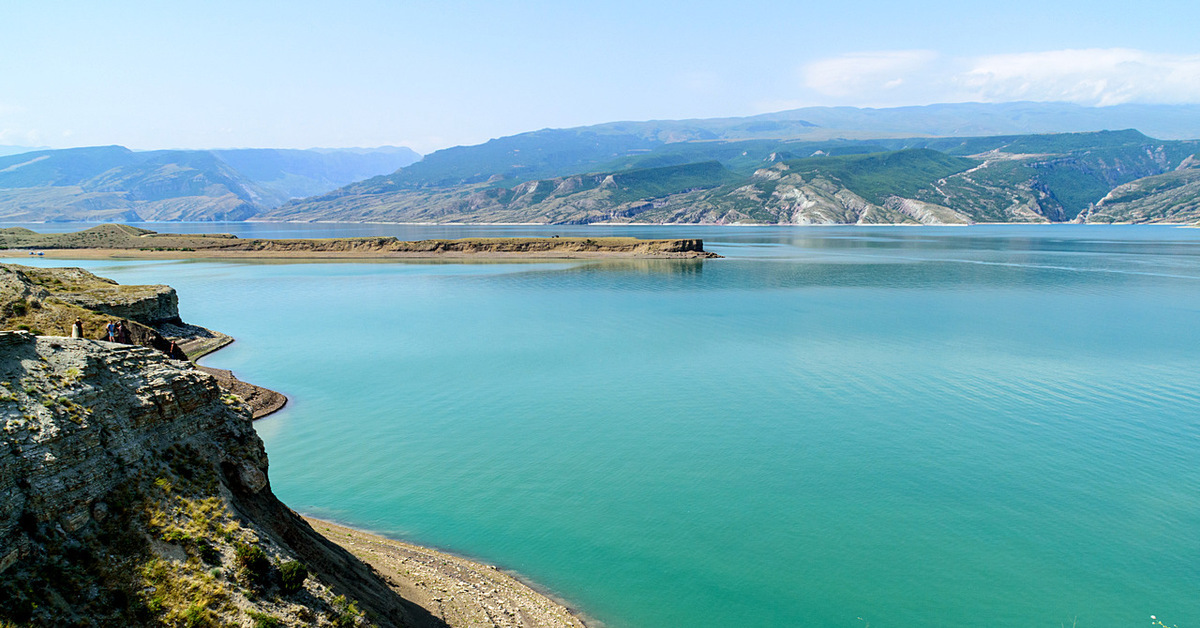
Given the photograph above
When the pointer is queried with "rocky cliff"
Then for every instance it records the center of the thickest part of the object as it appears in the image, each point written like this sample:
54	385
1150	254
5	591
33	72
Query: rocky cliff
133	491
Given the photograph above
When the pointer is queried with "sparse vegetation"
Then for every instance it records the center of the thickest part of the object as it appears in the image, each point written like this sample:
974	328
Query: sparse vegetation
254	568
182	597
291	576
263	620
344	613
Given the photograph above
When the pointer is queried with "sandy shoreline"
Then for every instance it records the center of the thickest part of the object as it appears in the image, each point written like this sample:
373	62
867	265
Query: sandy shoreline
458	591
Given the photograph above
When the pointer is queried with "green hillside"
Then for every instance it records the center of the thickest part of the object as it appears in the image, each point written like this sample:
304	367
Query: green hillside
523	157
877	176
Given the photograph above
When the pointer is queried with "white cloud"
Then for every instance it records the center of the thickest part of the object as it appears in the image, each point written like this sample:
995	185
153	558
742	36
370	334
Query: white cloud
1099	77
861	73
1091	77
22	137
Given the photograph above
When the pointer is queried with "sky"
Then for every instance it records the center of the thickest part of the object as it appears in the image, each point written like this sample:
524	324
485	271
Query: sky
429	75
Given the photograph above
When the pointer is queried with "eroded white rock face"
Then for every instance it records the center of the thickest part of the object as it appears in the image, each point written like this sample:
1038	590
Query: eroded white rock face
927	213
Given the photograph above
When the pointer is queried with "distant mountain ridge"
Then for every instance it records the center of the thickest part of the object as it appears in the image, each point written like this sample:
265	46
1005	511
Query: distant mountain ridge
939	180
16	150
114	183
1025	162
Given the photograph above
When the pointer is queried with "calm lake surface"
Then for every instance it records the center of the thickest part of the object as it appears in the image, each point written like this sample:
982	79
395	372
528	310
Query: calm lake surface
894	427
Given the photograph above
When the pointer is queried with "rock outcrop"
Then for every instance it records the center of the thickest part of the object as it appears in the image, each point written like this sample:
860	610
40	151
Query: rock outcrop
133	491
1173	197
49	300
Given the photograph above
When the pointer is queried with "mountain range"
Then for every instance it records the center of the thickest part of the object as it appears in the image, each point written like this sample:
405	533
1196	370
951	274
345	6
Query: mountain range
1104	176
951	163
107	183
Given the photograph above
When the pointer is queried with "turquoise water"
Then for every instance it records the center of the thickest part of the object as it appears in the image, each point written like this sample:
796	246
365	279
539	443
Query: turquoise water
985	426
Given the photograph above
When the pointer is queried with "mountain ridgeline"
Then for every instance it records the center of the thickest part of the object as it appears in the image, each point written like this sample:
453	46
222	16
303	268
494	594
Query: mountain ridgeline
948	163
107	183
583	177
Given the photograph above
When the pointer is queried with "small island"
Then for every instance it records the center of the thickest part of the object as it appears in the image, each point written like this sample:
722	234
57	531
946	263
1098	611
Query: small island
125	241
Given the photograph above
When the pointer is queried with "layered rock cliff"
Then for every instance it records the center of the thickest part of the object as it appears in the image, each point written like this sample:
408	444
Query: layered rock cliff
133	491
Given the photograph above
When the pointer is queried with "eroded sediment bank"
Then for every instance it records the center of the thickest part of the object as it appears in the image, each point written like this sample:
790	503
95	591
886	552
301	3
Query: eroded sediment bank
124	241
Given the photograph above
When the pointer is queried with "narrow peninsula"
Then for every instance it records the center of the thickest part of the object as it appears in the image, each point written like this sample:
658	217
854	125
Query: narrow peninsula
125	241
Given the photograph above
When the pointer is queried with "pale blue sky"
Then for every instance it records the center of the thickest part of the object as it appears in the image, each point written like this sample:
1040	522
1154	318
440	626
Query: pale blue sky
435	74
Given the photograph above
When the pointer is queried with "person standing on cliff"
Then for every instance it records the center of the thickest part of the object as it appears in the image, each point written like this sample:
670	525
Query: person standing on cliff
122	333
111	329
77	328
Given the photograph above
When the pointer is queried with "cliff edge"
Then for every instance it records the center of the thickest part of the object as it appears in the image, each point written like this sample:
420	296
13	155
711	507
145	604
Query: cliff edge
49	300
133	491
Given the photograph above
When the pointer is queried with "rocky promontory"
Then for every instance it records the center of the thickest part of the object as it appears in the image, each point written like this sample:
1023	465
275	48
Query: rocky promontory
49	300
134	491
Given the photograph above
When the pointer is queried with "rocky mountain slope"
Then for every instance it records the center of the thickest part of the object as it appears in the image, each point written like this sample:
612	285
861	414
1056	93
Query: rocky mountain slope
114	183
1038	178
1040	162
1169	197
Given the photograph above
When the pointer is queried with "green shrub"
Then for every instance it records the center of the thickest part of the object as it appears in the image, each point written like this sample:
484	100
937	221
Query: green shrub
253	566
291	576
197	616
345	612
177	537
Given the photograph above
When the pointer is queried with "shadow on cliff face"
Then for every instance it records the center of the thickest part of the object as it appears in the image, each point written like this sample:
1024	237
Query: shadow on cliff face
343	571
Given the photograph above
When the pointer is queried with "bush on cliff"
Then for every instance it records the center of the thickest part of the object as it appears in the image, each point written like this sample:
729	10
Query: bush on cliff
253	567
291	576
